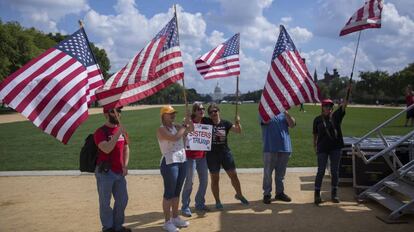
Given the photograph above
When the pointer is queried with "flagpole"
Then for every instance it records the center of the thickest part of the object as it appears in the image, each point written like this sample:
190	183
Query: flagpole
353	66
93	55
178	36
237	96
90	48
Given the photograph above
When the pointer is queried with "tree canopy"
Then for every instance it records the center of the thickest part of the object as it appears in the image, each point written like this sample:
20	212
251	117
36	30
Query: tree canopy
19	45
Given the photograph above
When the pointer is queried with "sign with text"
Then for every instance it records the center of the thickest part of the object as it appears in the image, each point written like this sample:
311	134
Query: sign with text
199	139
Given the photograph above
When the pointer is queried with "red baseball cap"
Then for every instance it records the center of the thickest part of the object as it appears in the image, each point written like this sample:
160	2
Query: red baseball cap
327	102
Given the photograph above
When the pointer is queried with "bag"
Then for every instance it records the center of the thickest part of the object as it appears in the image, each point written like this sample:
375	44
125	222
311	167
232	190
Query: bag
89	153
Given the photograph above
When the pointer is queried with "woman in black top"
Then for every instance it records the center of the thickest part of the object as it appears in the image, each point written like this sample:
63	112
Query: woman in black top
328	142
221	156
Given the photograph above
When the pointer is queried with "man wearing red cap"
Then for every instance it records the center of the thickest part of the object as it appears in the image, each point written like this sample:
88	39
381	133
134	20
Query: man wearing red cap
328	142
111	169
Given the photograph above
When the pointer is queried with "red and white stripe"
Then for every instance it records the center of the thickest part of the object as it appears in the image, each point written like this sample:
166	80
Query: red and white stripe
53	91
212	65
288	84
169	69
368	16
140	68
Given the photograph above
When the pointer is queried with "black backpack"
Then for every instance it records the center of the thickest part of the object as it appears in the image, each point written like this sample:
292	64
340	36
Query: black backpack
89	153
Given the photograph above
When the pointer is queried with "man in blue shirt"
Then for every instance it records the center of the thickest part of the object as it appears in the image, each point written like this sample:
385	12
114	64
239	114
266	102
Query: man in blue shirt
276	152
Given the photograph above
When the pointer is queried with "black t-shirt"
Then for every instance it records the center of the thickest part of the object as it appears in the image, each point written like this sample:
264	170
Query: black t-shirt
329	131
220	132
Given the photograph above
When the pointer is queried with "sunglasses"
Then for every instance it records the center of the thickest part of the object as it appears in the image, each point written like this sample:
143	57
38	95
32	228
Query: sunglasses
213	111
327	106
117	110
201	109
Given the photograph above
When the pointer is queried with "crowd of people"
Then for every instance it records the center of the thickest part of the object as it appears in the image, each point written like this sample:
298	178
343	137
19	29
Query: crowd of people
178	164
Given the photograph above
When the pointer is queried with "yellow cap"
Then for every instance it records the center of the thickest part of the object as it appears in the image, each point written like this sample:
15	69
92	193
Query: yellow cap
167	110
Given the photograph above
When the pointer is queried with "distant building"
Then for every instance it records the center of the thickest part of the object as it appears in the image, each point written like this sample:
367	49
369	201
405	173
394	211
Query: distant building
329	77
315	76
218	93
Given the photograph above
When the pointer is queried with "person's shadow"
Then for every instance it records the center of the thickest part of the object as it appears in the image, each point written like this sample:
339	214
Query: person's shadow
152	221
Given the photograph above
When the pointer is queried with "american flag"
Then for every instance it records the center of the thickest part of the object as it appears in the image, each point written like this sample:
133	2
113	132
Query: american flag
222	61
54	90
288	81
155	67
368	16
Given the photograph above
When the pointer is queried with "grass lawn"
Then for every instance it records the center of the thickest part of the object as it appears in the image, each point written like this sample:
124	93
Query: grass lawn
25	147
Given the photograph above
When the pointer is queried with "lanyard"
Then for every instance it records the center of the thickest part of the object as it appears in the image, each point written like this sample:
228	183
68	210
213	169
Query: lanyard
327	129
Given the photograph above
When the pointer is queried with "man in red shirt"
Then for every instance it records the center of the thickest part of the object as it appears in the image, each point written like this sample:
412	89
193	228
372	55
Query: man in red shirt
409	99
110	172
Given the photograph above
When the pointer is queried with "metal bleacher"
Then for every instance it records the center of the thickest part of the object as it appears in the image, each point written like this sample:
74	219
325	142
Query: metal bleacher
395	191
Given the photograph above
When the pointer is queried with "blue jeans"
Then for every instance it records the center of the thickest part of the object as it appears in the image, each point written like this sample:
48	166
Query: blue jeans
173	176
334	157
201	166
109	184
278	162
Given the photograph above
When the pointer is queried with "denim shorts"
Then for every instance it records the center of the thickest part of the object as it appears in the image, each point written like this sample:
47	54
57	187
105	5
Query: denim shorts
216	159
173	175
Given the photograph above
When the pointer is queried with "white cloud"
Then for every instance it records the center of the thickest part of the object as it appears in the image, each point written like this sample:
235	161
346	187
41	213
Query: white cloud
45	14
405	7
215	38
300	35
123	40
286	20
342	60
257	32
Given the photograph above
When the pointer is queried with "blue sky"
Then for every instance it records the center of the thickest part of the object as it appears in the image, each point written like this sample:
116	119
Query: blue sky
123	27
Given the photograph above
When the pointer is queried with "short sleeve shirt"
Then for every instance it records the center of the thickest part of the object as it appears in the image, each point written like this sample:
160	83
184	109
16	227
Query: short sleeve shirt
220	132
329	131
116	156
275	135
409	99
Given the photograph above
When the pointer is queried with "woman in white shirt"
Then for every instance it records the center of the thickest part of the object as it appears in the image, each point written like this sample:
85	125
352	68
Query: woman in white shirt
170	138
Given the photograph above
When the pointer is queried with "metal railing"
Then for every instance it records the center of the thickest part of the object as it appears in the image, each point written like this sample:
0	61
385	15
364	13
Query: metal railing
389	148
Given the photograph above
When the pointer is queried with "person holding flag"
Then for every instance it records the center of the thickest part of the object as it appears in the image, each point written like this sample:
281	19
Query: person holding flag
277	148
170	138
327	143
111	169
220	154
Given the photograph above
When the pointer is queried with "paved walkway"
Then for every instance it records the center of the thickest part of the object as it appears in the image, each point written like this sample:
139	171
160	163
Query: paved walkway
135	172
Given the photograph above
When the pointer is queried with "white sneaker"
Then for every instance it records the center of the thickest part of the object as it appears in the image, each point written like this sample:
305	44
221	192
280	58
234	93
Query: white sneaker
170	227
178	222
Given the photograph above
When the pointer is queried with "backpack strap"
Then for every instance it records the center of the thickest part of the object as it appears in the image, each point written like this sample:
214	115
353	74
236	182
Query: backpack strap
106	132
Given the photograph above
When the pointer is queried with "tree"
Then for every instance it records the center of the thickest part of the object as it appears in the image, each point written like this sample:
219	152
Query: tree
19	45
373	84
102	59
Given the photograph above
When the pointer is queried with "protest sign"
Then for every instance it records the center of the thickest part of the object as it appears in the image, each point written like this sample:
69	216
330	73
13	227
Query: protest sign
199	139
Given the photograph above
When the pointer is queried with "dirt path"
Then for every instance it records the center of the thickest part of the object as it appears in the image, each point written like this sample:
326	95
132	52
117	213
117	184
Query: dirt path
69	203
16	117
